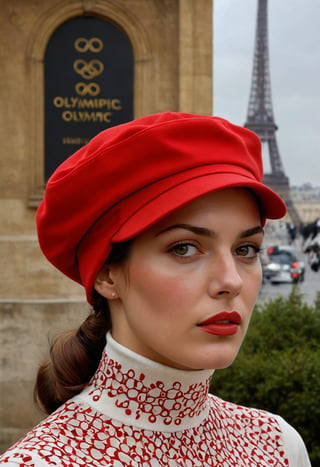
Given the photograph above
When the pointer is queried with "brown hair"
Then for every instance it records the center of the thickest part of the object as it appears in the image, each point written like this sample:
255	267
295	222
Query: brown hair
75	355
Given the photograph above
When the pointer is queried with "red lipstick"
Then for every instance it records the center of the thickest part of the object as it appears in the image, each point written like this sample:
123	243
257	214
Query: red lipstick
222	324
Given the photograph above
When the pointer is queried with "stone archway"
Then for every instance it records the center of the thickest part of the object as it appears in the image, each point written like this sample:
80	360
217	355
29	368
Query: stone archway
45	25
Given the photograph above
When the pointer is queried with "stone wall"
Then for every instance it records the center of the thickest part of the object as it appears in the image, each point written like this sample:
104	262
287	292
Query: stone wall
26	329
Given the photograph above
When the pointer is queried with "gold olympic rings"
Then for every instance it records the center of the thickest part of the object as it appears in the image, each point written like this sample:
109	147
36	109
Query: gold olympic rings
84	89
88	70
83	45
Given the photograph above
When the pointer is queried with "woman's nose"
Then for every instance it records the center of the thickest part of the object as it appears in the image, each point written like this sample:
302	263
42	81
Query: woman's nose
225	278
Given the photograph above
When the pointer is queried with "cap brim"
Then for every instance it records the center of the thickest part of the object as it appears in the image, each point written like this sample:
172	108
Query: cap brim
164	203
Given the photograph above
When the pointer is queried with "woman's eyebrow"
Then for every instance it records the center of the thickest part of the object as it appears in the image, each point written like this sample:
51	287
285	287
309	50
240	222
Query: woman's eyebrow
210	233
255	230
192	228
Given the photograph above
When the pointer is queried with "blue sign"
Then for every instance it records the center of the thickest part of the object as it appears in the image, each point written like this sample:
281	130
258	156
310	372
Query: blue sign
89	72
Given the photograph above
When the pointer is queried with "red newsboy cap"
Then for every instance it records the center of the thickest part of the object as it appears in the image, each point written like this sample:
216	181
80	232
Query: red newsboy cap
132	175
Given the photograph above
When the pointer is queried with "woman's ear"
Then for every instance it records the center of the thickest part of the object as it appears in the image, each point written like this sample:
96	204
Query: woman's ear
104	284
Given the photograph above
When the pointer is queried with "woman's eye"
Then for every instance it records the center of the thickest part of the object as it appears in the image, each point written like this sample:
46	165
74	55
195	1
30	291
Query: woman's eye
248	251
183	249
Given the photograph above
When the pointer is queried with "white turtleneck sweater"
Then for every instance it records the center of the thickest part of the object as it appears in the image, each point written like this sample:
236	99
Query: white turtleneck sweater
139	413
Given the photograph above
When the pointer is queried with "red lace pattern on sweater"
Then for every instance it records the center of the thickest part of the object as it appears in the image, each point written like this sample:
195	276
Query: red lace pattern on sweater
78	436
155	400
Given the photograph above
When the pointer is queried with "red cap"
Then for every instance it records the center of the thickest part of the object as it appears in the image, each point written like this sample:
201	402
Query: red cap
132	175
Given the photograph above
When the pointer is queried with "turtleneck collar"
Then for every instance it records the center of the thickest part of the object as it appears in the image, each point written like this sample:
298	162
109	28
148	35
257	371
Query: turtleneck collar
140	392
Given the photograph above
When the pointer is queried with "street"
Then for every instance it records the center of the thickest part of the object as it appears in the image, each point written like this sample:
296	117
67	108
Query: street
308	288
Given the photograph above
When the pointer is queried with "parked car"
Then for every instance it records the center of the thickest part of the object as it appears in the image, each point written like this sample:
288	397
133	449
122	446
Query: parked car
282	265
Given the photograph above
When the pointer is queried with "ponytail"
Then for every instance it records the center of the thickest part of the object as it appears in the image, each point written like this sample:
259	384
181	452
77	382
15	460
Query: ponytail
75	355
74	358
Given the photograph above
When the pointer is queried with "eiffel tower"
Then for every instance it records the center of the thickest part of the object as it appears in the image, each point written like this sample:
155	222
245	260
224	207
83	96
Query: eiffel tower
260	114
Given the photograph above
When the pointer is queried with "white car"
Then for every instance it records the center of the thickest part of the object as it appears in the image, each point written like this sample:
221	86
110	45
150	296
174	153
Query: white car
283	266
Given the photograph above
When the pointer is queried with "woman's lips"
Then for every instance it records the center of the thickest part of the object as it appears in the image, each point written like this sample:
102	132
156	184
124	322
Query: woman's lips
222	324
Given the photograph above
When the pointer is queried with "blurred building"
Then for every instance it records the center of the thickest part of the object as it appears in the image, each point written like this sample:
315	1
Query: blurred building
307	201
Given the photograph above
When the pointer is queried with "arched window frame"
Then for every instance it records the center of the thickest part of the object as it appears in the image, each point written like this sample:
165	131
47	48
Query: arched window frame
35	54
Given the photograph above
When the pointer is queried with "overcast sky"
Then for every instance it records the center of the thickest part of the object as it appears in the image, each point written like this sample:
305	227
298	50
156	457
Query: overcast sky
294	52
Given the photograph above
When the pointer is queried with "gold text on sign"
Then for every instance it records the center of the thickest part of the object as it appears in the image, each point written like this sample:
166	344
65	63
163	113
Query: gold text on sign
73	116
78	103
75	140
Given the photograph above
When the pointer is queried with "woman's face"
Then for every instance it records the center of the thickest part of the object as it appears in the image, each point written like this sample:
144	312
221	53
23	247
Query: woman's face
186	293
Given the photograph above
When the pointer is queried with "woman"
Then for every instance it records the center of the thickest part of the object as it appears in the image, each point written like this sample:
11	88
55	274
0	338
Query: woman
161	220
